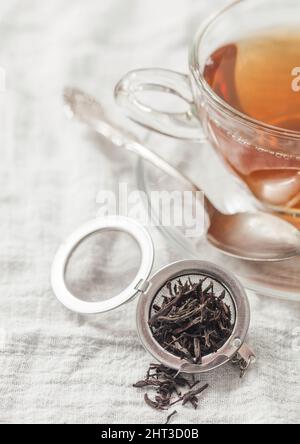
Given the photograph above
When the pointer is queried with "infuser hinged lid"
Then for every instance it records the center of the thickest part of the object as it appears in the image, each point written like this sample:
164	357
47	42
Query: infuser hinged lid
140	282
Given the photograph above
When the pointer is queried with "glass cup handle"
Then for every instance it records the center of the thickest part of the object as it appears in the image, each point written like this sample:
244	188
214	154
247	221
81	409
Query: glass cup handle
180	125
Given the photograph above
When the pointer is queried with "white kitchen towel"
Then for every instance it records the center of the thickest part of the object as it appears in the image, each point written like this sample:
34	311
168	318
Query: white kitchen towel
55	366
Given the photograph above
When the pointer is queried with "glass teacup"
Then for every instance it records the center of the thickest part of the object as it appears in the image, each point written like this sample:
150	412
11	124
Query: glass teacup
265	156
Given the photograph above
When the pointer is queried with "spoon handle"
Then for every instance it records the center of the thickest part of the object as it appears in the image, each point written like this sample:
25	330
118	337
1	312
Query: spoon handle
90	112
160	163
122	140
165	166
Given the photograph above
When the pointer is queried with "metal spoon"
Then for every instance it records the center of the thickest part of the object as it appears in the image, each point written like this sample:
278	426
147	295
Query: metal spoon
250	236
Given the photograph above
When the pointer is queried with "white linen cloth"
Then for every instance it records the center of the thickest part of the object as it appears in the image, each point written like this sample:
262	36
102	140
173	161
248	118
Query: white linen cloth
55	366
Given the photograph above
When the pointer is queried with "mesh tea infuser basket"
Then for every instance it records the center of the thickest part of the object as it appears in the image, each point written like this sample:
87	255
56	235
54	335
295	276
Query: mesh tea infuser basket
152	290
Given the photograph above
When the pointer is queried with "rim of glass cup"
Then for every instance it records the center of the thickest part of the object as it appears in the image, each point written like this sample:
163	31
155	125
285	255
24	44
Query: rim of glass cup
217	100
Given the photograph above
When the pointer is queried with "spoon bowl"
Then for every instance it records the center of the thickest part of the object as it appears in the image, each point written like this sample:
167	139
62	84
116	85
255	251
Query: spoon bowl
260	236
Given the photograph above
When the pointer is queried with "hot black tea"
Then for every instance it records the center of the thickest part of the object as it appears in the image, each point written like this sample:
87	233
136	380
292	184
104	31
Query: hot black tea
260	77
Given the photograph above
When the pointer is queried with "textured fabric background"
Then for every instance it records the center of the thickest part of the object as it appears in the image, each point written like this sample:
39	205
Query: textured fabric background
55	366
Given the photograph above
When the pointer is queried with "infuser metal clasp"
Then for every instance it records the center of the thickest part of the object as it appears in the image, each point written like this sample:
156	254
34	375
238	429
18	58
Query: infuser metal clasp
143	286
244	358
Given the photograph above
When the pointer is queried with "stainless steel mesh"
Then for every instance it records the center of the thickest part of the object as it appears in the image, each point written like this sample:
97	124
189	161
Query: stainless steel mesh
219	352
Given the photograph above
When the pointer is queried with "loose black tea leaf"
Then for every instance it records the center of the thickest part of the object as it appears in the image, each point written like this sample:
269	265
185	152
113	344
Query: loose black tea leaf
192	396
170	417
152	404
168	384
192	321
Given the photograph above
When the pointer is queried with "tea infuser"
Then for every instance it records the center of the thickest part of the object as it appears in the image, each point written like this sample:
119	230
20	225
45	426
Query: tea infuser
252	236
150	290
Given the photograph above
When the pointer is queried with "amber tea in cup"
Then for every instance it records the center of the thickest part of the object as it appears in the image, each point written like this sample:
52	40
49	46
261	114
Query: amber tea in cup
259	76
